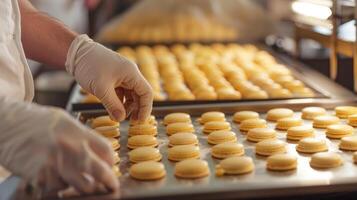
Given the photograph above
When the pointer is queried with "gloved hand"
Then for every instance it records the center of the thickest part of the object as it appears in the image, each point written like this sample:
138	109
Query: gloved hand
46	146
110	77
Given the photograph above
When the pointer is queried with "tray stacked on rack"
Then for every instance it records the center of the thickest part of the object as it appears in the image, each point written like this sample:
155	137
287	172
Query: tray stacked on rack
259	183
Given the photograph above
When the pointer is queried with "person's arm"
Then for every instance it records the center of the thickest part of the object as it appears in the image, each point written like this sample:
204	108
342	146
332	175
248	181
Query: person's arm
44	39
99	70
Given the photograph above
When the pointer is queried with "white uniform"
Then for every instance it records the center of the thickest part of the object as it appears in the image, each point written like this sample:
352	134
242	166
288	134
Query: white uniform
15	77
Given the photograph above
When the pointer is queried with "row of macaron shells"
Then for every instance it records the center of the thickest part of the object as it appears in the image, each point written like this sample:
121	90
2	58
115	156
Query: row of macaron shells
108	128
267	144
143	154
308	144
180	128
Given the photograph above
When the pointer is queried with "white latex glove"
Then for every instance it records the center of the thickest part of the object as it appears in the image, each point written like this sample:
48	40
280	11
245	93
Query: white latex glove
46	146
110	77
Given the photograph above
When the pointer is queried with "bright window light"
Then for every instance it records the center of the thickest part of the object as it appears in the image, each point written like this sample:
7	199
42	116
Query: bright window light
311	10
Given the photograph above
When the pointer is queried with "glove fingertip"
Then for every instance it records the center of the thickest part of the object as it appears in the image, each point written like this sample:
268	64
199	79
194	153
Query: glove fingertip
118	115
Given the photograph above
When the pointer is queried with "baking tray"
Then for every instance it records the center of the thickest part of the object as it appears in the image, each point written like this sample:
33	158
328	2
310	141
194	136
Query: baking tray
323	87
259	184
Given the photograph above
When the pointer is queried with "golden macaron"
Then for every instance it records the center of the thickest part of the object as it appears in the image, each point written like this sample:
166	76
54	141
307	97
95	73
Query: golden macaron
279	93
260	134
183	152
338	131
108	131
115	143
212	116
352	120
235	166
348	143
309	113
142	154
142	141
344	111
299	132
227	149
256	94
324	121
151	120
177	117
211	126
217	137
148	170
324	160
279	113
103	121
281	162
288	122
240	116
248	124
191	169
183	138
142	129
311	145
179	127
270	147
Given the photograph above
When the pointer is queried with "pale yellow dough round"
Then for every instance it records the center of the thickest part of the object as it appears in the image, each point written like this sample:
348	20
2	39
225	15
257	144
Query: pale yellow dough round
227	149
279	113
148	170
235	166
352	120
344	111
191	169
183	152
348	143
216	126
338	131
309	113
183	138
142	129
179	127
240	116
286	123
177	117
151	120
324	160
103	121
212	116
142	141
217	137
270	147
143	154
281	162
324	121
299	132
260	134
311	145
249	124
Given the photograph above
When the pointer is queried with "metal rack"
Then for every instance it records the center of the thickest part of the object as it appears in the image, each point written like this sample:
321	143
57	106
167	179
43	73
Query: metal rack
305	28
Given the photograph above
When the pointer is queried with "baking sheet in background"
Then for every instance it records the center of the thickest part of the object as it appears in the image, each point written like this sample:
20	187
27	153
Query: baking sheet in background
260	183
321	85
